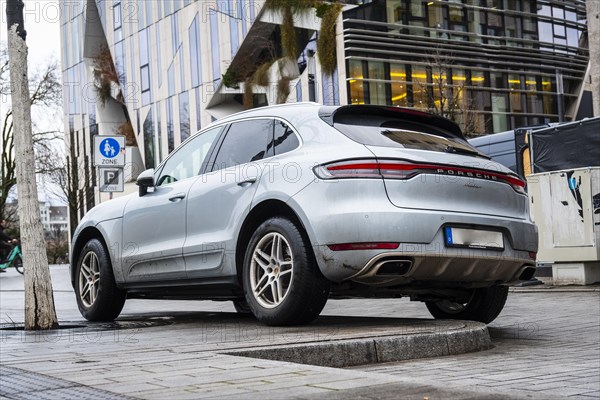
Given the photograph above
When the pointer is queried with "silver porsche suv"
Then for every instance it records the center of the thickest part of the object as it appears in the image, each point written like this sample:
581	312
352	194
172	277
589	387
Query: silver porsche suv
280	208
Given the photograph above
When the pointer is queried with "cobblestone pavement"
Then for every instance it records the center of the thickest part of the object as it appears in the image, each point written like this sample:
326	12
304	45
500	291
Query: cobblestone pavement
547	345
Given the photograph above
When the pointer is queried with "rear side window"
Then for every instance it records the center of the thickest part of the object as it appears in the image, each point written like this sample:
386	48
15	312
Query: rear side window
284	138
386	132
246	141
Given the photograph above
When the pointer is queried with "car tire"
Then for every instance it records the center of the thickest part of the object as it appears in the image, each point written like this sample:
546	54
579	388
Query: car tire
98	297
282	281
241	306
18	263
484	305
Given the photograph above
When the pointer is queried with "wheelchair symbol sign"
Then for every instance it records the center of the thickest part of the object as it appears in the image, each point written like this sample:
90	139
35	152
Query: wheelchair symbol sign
109	151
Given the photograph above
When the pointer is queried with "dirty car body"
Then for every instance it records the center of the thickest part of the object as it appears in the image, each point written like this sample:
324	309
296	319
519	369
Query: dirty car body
281	207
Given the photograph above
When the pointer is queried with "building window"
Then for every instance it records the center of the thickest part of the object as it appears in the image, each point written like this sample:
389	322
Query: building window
170	125
241	13
117	21
398	85
514	85
377	85
499	110
159	131
120	62
149	141
145	67
195	63
145	73
198	117
214	47
174	33
149	19
420	88
299	91
158	55
356	83
184	115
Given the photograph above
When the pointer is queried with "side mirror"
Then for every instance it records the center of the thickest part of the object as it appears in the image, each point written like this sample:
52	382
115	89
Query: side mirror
145	180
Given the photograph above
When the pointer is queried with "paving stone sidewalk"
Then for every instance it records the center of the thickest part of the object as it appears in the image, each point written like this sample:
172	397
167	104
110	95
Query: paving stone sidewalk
546	345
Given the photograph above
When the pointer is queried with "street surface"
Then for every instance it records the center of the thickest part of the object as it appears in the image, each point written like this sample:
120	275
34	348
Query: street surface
546	345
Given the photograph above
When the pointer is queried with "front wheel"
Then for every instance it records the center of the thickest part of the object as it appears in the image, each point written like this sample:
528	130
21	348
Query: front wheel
282	281
241	306
98	297
483	305
18	263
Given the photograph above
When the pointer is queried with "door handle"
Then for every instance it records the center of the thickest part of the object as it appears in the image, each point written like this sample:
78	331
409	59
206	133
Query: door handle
177	197
247	182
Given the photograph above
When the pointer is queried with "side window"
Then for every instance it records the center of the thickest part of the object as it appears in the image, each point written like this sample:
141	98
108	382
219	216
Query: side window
246	141
188	159
285	139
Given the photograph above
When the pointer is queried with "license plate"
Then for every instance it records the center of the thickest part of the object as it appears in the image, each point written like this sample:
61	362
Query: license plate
474	238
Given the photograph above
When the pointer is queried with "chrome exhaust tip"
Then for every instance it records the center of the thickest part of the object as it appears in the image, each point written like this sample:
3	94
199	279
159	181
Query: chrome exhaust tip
527	273
392	267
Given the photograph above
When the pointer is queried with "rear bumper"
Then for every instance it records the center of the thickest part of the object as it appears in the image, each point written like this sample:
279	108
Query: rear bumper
361	212
421	263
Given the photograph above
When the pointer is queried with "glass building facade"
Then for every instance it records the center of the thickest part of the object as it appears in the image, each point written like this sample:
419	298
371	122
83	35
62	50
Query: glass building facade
496	64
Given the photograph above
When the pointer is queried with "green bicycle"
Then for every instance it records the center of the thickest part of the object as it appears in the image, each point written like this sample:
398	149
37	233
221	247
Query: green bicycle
14	260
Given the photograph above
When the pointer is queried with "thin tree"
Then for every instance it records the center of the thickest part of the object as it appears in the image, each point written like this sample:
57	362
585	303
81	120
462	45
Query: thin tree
40	312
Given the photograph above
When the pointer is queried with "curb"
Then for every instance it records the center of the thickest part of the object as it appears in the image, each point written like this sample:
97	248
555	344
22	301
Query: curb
472	337
555	289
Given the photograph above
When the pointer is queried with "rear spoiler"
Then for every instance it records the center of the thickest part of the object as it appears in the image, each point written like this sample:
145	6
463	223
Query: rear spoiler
329	114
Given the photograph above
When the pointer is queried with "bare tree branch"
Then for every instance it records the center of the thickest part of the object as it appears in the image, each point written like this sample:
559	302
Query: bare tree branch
45	92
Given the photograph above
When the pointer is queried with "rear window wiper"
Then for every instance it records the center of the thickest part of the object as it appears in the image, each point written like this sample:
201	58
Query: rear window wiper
461	150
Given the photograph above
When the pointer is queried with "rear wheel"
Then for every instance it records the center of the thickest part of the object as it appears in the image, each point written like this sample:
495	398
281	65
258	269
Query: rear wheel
484	305
18	263
282	282
98	297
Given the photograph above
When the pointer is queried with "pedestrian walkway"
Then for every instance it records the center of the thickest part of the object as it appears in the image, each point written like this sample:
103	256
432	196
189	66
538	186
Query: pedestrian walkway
546	346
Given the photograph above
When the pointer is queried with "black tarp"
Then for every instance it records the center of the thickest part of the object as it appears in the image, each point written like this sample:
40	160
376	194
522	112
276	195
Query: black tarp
567	146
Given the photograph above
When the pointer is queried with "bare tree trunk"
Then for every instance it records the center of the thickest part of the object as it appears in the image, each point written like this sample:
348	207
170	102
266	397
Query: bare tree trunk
39	299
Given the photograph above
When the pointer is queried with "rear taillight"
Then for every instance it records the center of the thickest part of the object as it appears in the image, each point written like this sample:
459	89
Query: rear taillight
406	170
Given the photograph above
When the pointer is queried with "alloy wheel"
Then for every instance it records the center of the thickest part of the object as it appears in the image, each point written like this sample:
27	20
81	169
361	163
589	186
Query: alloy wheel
271	270
89	279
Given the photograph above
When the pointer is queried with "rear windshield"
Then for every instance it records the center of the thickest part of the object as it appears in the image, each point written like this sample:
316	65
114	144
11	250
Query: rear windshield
385	132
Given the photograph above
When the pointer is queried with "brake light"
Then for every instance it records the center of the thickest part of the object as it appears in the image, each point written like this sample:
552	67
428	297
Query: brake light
406	170
363	246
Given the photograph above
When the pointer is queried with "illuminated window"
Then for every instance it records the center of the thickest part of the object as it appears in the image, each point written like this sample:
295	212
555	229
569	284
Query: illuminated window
357	90
398	85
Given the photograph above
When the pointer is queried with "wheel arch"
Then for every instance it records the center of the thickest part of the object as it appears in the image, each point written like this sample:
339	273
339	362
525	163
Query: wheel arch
87	234
260	213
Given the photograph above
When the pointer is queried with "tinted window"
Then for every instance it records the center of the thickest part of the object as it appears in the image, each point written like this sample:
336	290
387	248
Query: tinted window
284	138
378	131
188	159
246	141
